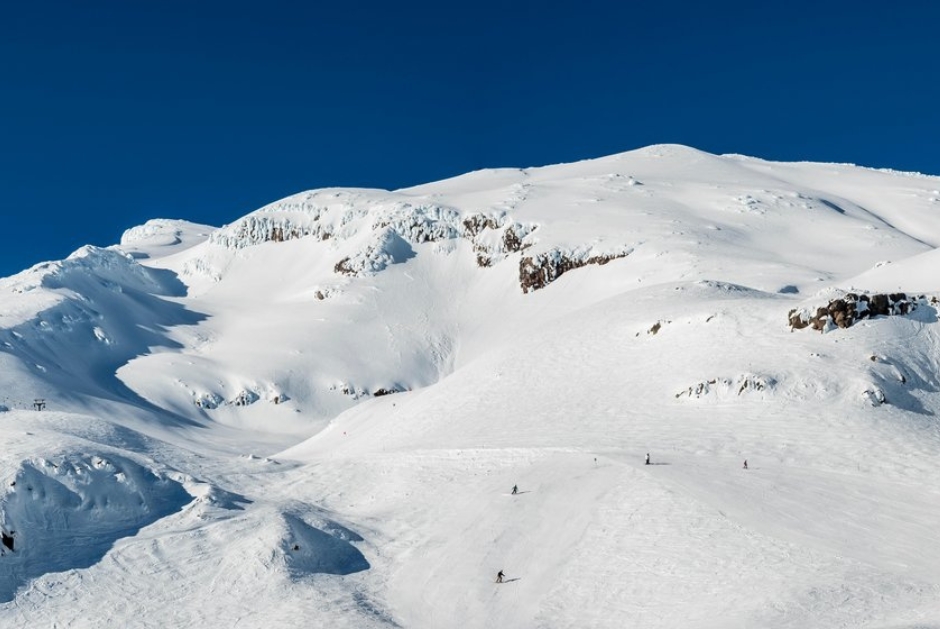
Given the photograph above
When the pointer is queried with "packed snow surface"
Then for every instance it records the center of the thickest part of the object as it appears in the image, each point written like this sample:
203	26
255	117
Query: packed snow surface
315	415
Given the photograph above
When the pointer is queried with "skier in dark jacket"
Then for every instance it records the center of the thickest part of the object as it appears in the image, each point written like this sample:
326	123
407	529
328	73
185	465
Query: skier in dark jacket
647	458
515	489
499	576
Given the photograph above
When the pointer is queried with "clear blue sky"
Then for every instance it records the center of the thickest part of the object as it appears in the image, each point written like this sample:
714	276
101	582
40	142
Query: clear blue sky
114	112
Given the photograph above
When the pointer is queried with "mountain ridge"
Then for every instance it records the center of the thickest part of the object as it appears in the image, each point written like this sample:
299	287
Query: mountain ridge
322	406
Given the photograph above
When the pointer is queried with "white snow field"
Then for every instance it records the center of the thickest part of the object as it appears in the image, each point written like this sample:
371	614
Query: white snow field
314	416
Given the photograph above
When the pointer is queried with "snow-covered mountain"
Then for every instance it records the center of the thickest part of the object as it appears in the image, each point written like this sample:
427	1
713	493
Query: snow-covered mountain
314	415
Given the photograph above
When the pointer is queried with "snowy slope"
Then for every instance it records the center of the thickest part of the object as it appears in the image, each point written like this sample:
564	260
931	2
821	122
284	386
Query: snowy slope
314	414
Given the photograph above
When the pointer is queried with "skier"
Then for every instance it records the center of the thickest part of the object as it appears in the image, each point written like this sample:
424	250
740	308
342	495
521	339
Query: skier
745	463
515	489
647	458
499	576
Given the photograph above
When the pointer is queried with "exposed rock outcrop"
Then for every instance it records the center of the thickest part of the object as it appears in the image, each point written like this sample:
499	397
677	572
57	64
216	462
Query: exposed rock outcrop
542	269
874	395
397	226
845	311
389	228
742	384
495	237
357	392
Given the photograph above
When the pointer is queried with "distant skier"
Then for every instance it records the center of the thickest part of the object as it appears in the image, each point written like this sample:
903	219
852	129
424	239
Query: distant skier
745	463
499	576
647	458
515	489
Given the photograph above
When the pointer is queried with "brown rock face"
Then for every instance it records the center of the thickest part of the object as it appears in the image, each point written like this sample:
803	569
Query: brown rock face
539	271
846	311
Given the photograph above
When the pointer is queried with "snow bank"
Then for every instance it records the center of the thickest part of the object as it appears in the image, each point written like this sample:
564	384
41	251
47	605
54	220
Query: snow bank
64	511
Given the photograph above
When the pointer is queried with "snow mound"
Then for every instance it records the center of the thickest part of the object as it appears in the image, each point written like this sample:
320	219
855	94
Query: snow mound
161	237
158	231
298	542
64	511
385	247
322	546
86	268
917	273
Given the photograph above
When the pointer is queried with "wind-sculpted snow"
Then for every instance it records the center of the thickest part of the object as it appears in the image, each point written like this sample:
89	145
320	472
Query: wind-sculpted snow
385	226
159	237
385	247
325	213
387	230
329	214
89	267
157	231
76	321
65	510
